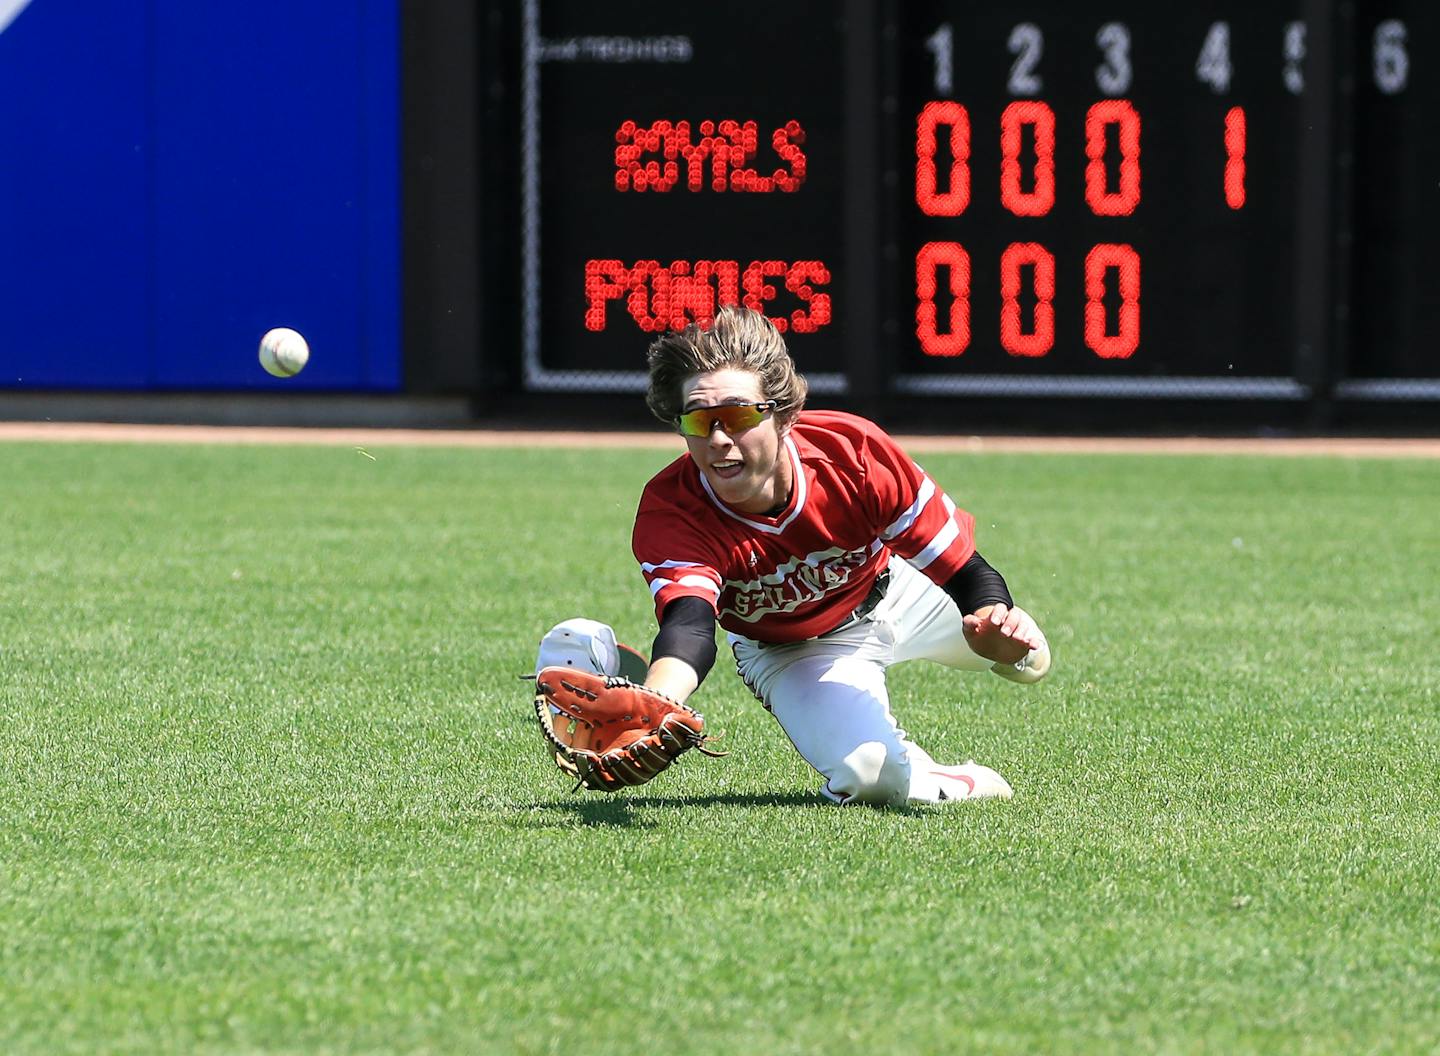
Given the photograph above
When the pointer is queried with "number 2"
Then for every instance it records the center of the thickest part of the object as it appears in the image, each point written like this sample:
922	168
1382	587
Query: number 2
1027	44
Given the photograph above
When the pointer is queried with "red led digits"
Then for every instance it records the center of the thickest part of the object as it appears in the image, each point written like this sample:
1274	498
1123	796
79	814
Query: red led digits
1104	202
1235	157
724	148
933	201
1099	261
1025	331
1013	337
952	257
1040	117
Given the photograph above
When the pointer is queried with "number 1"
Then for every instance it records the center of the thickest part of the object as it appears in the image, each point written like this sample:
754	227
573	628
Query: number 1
941	44
1235	157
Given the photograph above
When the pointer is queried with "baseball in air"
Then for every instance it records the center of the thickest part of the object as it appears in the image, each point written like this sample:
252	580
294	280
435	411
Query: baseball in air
283	352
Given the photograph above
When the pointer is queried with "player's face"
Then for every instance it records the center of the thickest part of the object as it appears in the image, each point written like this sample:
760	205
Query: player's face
744	468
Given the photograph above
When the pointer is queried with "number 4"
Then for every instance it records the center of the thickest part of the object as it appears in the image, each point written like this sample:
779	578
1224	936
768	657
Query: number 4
1213	65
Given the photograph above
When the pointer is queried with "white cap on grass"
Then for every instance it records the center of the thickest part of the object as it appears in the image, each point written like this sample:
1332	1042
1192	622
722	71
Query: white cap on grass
586	644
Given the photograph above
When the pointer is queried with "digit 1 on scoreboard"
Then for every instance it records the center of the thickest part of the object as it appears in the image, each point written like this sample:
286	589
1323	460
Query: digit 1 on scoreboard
1235	157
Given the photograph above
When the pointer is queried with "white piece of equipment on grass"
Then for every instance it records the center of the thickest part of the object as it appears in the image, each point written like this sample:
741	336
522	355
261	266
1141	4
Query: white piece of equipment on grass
590	646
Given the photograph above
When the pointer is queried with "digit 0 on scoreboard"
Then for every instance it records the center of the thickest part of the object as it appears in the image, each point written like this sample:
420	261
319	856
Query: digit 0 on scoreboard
1101	208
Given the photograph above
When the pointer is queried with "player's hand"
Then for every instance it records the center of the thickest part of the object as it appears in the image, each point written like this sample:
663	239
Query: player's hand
1001	633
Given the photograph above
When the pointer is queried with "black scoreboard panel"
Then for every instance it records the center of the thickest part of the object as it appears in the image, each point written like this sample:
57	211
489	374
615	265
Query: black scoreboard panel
1217	201
1108	201
683	158
1396	223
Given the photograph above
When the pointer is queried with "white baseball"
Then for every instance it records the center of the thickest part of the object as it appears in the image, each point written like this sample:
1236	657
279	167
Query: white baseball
283	352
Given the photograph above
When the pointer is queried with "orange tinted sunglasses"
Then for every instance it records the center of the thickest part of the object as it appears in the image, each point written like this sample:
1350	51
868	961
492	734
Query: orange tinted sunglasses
733	418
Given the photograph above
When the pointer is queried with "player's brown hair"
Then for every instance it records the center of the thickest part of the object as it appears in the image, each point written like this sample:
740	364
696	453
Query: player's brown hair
739	339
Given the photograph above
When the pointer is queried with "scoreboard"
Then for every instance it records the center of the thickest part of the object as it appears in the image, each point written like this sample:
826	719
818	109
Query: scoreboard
936	197
675	161
1088	219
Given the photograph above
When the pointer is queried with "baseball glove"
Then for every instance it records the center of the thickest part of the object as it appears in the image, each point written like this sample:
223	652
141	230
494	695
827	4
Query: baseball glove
608	732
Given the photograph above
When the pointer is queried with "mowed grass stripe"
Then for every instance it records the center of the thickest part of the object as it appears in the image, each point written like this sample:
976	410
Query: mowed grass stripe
268	781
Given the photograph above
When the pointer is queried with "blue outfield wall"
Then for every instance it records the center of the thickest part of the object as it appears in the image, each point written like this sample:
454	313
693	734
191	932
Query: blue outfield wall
178	177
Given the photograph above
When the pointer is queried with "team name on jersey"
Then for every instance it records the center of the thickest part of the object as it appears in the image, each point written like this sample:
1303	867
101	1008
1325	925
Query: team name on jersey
795	583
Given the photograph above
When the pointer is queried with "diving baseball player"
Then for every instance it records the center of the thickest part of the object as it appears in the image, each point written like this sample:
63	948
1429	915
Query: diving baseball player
825	553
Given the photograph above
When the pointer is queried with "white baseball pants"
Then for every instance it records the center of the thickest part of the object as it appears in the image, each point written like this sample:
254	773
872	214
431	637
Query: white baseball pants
829	693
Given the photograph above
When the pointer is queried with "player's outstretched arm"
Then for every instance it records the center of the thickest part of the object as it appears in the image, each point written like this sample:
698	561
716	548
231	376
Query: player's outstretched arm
684	650
995	627
1002	633
1010	637
673	677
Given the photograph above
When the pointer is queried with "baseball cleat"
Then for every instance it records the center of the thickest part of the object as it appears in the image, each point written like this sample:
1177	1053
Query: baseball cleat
969	781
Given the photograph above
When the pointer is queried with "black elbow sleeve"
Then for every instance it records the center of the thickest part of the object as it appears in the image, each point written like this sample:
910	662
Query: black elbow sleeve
977	585
687	632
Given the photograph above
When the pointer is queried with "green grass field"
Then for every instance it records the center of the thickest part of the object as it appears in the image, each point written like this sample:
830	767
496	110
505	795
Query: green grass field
269	783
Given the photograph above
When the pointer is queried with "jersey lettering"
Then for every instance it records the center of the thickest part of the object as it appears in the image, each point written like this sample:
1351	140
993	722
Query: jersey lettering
857	499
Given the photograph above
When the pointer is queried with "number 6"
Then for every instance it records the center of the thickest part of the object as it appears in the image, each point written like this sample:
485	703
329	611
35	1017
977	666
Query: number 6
1392	61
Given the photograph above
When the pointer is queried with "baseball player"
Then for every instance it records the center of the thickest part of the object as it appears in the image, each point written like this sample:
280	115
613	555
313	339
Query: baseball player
825	553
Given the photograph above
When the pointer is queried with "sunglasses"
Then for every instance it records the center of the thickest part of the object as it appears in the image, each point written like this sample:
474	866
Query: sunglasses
733	418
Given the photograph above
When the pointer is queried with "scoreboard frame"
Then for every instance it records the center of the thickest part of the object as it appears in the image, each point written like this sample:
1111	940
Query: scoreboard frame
1325	376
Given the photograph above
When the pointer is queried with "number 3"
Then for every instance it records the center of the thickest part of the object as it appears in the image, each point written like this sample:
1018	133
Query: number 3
1114	77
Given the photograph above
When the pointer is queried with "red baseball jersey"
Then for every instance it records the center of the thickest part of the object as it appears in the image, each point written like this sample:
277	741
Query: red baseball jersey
857	497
